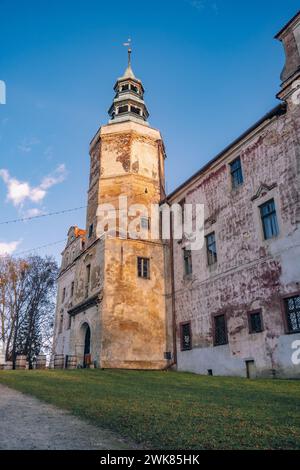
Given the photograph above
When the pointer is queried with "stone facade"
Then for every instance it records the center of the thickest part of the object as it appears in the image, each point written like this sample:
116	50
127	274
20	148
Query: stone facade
171	318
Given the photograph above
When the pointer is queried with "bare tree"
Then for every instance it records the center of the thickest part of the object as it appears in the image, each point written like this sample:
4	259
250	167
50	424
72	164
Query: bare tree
27	290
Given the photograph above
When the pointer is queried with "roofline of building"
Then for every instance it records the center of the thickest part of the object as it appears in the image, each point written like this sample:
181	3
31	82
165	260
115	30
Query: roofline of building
287	25
277	111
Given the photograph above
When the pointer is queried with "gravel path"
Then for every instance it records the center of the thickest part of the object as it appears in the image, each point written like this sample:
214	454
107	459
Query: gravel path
27	423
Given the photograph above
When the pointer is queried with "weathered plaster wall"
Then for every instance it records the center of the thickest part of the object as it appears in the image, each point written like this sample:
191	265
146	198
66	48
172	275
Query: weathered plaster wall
134	329
251	273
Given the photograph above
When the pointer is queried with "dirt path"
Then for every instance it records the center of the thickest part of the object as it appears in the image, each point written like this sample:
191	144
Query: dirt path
27	423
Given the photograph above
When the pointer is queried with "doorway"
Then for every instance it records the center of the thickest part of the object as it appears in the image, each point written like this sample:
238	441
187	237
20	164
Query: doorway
251	369
87	347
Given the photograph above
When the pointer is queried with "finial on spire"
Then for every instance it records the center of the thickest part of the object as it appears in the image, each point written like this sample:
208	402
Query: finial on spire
128	44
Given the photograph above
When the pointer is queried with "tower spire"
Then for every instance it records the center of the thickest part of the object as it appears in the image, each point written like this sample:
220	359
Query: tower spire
128	44
128	104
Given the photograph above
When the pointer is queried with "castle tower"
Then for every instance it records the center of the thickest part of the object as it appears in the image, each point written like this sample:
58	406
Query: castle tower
127	159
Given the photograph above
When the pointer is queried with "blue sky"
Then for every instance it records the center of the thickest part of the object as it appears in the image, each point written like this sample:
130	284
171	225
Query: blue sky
210	69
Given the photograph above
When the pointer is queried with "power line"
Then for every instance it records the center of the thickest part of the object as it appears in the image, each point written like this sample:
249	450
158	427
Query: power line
24	219
39	247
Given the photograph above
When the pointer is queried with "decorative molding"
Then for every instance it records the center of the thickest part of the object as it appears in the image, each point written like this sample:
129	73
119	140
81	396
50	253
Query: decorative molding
262	190
86	304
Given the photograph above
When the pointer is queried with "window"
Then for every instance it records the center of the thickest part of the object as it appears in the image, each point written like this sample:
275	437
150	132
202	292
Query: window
186	336
91	229
292	311
145	223
134	88
143	267
255	322
123	109
88	276
61	323
125	87
211	249
135	110
69	322
236	173
72	289
182	204
64	294
187	259
220	330
269	219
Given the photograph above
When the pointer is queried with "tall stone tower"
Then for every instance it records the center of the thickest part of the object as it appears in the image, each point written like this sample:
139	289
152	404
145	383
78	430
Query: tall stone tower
117	312
127	158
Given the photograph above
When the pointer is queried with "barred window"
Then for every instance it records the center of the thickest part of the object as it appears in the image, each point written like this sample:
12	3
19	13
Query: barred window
269	219
236	173
143	267
292	309
187	259
211	248
255	322
220	330
186	336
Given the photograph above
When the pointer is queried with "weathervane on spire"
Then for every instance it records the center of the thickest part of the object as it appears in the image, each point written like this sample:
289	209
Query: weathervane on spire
128	44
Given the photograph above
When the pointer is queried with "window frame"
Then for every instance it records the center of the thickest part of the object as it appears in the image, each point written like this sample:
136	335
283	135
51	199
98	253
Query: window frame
144	218
140	273
87	279
215	316
91	230
207	250
284	298
61	324
190	263
181	325
255	312
123	109
236	183
264	217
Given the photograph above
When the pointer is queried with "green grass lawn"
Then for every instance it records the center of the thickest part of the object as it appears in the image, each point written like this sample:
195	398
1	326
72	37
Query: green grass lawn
169	410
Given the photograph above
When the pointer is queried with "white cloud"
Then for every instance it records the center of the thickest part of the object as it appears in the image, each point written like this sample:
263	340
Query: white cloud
33	212
198	4
27	144
8	248
20	191
202	4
